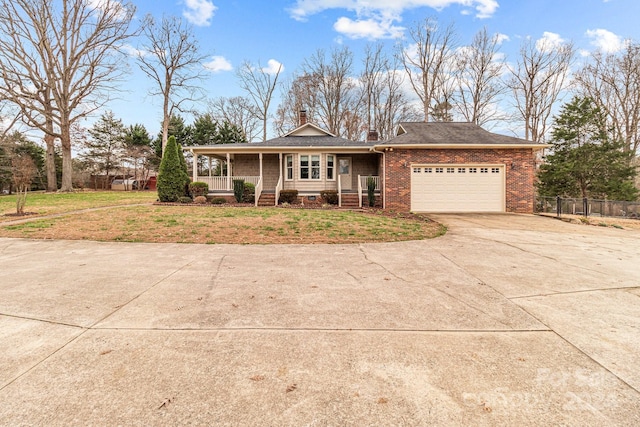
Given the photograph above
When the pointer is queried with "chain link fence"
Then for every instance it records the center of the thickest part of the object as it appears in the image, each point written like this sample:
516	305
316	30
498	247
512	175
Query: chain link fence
588	207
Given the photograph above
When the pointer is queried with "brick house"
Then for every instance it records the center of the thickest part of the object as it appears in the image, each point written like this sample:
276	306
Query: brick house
427	167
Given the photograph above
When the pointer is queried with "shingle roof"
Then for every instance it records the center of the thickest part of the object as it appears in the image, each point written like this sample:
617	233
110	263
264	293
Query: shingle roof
421	133
312	141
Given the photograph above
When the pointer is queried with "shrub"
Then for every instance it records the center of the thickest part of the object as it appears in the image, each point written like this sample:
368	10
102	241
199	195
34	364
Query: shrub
249	193
201	200
171	176
198	189
218	201
329	196
185	199
371	191
288	196
183	165
238	189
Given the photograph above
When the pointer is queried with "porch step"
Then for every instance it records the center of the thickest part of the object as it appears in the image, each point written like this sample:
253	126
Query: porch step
350	200
267	199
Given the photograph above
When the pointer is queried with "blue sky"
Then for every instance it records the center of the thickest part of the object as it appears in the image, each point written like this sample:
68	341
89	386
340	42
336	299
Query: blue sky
287	31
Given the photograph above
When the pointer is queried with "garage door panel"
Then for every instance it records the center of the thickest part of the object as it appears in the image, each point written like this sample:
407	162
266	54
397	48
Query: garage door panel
457	188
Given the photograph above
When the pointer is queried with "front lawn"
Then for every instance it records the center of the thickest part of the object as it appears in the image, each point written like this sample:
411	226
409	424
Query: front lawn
54	203
207	224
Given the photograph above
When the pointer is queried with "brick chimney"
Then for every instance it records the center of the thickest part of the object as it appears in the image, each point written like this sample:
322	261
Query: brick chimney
372	136
303	117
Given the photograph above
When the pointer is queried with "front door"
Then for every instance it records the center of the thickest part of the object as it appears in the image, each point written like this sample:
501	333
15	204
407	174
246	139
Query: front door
344	172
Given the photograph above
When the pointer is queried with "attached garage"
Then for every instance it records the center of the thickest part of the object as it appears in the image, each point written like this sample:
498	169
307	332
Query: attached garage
458	167
457	188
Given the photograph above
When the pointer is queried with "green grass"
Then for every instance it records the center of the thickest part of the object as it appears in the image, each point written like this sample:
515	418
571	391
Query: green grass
201	224
241	225
55	203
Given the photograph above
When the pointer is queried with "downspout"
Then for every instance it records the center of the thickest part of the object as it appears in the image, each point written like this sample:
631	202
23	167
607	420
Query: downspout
383	190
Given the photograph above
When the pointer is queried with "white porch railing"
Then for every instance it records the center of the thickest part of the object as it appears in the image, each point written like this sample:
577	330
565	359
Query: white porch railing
362	184
339	191
258	191
363	181
217	183
278	189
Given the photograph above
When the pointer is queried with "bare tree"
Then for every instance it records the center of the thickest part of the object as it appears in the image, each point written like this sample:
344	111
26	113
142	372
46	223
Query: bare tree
335	99
383	98
59	62
537	81
479	79
259	84
612	81
427	62
23	169
238	111
300	92
172	60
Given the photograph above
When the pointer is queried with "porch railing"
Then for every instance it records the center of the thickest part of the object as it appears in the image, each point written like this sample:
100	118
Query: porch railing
339	191
222	183
362	184
363	181
258	191
278	190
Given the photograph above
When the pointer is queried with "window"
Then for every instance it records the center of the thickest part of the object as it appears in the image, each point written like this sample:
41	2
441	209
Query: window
289	166
451	170
304	167
417	170
462	170
310	167
330	165
428	170
495	170
315	167
484	170
439	170
473	170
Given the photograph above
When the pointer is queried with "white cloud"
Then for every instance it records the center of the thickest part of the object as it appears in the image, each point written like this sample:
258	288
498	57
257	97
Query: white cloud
501	38
132	51
218	64
273	67
199	12
549	41
605	41
378	18
367	29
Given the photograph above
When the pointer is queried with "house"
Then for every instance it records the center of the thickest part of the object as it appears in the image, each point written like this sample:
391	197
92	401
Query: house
426	167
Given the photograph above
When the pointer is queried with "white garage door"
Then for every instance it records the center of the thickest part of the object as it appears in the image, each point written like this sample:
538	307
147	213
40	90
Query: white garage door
457	188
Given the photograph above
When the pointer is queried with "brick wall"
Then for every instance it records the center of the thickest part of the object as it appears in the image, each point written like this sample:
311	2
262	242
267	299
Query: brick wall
519	169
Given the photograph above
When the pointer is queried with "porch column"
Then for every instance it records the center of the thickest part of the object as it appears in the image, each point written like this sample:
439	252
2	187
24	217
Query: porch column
228	172
260	156
195	166
209	163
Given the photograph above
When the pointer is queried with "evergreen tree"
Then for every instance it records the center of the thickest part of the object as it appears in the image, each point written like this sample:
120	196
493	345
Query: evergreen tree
105	147
204	130
586	161
172	176
177	128
230	134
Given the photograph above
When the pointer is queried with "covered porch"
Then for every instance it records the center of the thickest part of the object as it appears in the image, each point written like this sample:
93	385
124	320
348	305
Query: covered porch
344	172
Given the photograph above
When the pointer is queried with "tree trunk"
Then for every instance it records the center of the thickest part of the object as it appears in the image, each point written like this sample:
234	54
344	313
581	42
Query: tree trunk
50	164
67	169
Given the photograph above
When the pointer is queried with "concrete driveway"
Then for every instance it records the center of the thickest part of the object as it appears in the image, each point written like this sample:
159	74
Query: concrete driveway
506	320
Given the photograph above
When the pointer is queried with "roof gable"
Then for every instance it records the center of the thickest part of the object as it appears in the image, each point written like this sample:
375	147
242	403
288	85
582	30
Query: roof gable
308	129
